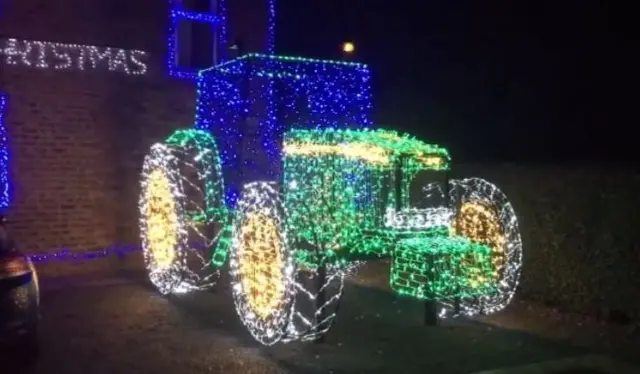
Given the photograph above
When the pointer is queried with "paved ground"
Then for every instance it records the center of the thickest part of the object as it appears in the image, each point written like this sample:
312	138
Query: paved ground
122	326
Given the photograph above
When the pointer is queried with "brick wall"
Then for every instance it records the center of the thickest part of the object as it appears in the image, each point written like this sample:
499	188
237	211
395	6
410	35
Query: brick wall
78	137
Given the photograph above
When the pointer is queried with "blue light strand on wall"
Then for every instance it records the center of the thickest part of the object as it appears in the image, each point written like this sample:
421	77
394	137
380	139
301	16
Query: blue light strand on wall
5	181
67	255
177	13
271	28
266	95
222	33
197	17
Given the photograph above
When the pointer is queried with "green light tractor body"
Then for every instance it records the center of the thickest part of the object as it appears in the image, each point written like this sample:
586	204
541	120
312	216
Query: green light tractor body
348	198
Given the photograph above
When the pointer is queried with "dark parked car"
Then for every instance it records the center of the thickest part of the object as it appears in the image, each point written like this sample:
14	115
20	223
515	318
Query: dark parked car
19	297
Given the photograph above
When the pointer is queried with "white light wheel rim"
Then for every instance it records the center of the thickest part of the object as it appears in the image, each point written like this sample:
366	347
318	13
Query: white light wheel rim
162	219
305	323
187	220
477	193
262	264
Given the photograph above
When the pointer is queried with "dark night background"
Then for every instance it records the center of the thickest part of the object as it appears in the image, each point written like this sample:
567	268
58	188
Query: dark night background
508	81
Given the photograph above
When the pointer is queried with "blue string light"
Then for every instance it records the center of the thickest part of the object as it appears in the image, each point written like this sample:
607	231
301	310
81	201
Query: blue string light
67	255
264	95
177	13
271	32
5	182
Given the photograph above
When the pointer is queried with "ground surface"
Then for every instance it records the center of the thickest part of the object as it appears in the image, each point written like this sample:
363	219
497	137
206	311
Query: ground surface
120	325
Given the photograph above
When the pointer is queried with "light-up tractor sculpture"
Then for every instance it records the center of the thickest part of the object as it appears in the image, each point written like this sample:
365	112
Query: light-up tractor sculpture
347	196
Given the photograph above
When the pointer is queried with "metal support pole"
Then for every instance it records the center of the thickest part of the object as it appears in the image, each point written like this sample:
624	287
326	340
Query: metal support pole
321	299
430	306
449	203
430	313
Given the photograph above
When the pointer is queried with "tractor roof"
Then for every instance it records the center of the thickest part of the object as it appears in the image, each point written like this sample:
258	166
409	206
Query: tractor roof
379	147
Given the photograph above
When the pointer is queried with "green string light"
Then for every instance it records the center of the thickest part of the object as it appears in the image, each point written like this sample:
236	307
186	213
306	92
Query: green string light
441	268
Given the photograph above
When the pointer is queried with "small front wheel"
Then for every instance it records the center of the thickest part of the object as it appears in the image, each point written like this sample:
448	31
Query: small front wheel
484	215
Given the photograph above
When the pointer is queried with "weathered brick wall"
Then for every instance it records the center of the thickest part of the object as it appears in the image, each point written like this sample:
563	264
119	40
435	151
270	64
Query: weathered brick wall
78	137
579	226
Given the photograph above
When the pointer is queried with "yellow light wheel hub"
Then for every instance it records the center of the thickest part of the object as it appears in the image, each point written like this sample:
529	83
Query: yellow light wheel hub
162	220
261	264
481	224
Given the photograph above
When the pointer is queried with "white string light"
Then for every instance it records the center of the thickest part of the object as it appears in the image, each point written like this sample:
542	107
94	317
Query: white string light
415	219
60	56
309	320
181	213
485	215
261	263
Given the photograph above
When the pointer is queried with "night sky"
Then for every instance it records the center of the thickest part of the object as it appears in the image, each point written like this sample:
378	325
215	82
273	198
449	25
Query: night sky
507	81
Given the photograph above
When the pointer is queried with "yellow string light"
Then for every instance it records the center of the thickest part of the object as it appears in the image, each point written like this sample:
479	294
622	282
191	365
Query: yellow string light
162	220
261	264
481	224
430	161
360	151
365	152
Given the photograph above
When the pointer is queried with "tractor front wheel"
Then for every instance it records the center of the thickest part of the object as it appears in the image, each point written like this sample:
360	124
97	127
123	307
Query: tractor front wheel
485	216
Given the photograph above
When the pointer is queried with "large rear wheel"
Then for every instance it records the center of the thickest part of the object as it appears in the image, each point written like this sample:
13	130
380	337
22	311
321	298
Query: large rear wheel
183	218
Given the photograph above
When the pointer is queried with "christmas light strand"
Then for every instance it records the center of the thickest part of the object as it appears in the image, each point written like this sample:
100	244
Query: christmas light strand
216	20
382	147
271	28
182	212
69	255
61	56
310	319
5	181
441	268
415	219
